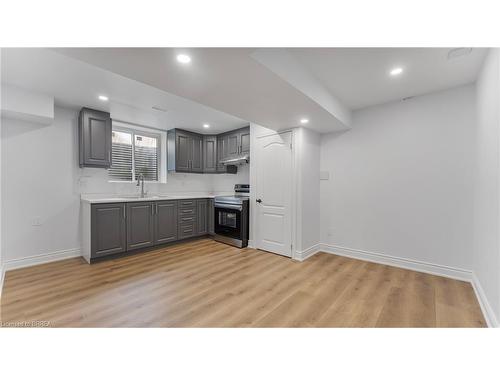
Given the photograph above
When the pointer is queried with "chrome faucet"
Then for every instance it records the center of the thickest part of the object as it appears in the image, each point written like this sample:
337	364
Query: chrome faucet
140	181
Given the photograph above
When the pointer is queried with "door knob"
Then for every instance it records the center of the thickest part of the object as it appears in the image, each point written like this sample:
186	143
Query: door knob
258	200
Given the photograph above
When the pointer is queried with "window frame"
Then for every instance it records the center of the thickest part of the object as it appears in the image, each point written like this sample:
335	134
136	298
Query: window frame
160	137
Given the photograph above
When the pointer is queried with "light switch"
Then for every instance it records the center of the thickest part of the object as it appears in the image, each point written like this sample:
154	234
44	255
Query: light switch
324	175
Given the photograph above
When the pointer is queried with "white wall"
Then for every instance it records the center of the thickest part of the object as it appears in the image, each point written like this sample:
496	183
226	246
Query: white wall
486	260
224	183
41	179
401	180
1	259
26	105
308	144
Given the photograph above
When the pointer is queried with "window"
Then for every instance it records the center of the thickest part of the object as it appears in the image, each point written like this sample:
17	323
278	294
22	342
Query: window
135	152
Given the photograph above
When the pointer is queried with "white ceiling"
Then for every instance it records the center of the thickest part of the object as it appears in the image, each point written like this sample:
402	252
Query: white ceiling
227	79
75	84
229	87
359	77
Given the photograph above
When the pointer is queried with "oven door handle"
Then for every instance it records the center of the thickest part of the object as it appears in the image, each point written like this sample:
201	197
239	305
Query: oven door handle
230	206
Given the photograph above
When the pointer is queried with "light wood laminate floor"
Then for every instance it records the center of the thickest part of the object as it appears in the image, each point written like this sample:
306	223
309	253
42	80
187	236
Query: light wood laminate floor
208	284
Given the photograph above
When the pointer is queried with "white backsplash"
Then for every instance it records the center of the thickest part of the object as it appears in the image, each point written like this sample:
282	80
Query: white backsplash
96	181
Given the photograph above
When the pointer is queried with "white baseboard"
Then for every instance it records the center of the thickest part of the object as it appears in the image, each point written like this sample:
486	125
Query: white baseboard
488	313
304	254
414	265
40	259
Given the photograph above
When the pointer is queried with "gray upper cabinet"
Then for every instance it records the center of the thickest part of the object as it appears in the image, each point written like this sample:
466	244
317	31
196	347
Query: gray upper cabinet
245	140
140	225
221	147
209	153
185	151
197	153
232	144
165	222
193	153
236	142
108	230
94	128
182	152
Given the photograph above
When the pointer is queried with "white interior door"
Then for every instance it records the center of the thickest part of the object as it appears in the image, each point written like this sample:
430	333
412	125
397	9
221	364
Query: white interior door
274	193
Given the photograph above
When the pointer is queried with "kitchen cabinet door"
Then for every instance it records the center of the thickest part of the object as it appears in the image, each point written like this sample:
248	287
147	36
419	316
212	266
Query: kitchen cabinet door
233	143
202	215
140	226
211	218
245	141
210	154
108	229
183	151
165	222
94	138
197	154
221	146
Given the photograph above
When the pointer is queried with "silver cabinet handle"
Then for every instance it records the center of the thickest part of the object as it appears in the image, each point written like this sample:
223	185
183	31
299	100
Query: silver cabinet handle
152	209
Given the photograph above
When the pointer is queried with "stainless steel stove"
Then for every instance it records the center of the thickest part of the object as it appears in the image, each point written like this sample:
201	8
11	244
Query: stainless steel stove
231	217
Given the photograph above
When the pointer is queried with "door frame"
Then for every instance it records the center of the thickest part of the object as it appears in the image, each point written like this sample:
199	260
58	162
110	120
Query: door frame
295	237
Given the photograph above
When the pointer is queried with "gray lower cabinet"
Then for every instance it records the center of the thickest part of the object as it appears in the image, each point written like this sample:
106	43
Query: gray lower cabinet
202	216
187	218
140	226
108	229
120	227
165	222
94	128
211	217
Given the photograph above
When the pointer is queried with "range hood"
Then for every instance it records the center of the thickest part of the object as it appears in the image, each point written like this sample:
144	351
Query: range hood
237	160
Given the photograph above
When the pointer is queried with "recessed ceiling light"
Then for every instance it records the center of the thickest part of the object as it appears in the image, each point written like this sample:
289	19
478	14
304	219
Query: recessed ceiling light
183	59
104	98
206	125
396	71
304	120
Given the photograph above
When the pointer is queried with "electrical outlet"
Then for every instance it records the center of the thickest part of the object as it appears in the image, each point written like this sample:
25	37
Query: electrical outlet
36	221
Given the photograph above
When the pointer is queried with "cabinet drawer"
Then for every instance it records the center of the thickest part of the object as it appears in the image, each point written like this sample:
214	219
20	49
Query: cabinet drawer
187	211
186	230
187	220
185	203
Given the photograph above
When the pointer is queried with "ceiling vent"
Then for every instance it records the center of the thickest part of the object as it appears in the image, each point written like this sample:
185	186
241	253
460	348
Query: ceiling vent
458	52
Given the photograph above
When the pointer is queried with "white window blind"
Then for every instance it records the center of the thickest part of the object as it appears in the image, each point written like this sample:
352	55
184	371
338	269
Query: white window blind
134	152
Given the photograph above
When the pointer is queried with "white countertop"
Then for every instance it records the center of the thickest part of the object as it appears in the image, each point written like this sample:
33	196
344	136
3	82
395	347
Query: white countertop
94	198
